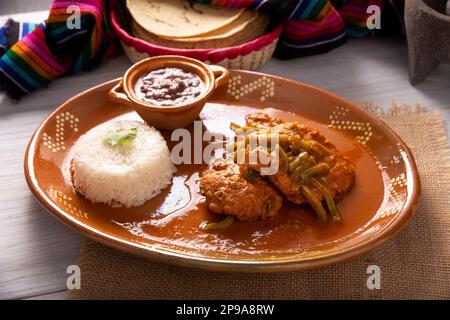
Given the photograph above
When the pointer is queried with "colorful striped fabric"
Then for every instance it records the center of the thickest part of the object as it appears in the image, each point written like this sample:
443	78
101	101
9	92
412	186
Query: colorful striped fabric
355	15
312	26
12	31
53	48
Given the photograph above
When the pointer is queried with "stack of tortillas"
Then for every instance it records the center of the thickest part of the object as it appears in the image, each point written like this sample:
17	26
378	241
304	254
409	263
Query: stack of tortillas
186	25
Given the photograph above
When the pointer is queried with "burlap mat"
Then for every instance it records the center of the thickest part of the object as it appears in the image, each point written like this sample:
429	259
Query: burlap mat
415	264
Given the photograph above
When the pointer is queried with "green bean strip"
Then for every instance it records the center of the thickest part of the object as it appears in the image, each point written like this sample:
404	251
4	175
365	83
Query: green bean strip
314	146
324	149
315	204
245	130
284	161
231	146
251	129
282	138
322	179
319	169
297	174
291	125
310	145
335	215
307	163
305	145
234	125
223	224
300	159
239	148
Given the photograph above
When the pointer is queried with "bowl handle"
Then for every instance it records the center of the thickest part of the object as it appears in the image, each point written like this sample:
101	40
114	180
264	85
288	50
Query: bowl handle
221	75
116	94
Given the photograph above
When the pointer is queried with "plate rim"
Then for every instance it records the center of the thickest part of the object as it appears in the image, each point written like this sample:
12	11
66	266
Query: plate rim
216	263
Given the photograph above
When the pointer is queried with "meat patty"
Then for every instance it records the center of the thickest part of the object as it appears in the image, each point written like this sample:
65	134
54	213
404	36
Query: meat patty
340	173
314	170
338	180
239	191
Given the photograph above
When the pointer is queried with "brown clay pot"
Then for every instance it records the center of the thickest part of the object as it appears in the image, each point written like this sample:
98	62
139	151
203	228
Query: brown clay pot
178	115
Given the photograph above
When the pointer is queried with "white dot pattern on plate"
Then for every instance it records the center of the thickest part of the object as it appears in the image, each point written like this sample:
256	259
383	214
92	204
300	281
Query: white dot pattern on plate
339	120
396	198
237	89
66	202
63	120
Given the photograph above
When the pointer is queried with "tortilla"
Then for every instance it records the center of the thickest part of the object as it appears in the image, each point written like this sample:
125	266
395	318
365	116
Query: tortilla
244	20
179	18
237	34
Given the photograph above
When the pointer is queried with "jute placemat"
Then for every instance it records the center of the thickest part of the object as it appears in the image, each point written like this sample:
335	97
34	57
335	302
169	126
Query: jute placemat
415	264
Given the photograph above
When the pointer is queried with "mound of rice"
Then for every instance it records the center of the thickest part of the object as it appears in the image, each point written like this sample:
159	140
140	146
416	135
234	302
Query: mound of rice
121	175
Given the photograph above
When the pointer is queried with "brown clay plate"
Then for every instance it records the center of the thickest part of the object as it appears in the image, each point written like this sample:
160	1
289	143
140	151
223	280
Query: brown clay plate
166	228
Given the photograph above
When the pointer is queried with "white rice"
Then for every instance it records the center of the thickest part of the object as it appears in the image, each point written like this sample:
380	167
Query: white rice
126	175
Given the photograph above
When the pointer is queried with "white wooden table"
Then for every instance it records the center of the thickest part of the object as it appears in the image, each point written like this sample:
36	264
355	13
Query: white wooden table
35	248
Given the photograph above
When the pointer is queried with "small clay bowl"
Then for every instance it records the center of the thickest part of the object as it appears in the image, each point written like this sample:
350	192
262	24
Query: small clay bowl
172	116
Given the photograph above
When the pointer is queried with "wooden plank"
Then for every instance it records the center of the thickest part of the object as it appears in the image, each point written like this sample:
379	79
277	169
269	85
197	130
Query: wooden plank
63	88
61	295
35	16
369	69
35	249
21	6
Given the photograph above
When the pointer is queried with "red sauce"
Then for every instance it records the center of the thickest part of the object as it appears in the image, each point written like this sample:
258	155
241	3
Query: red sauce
172	218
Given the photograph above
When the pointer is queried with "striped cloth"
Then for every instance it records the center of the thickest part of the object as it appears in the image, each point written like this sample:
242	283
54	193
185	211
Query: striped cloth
53	48
13	31
312	26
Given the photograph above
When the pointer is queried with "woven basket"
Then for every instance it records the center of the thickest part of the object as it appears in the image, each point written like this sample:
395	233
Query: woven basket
249	56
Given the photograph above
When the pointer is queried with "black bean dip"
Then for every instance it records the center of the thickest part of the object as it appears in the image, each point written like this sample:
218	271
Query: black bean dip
168	86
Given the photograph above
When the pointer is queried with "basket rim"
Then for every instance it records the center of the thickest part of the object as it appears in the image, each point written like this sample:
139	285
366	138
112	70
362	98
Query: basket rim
212	55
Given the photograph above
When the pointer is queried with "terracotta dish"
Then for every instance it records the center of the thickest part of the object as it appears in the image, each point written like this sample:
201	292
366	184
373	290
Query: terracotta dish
168	117
166	228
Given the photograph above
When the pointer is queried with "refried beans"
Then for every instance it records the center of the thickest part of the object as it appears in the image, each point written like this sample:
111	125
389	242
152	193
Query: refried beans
168	86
